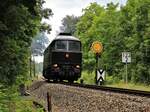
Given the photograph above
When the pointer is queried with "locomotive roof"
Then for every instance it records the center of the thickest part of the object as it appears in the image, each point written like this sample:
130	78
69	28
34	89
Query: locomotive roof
66	37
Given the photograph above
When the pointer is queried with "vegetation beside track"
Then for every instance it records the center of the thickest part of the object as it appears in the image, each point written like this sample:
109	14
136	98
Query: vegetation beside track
119	29
111	81
130	86
11	101
20	22
127	29
88	77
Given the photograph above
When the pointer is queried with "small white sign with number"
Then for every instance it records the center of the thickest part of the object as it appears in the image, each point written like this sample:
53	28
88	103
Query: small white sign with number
126	57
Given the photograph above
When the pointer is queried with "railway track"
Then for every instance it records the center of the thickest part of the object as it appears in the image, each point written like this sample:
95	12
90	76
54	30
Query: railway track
74	97
108	89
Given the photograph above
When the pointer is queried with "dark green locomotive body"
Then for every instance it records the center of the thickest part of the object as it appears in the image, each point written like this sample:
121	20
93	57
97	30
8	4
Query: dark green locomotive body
63	59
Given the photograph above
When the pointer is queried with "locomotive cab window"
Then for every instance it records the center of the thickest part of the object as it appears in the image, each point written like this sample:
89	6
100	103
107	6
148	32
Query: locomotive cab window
61	45
65	45
74	46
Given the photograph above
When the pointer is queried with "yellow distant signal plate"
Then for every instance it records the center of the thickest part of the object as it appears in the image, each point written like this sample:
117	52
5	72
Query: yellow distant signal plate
97	47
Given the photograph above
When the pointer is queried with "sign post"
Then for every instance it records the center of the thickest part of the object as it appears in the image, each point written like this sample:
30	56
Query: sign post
126	58
100	76
97	48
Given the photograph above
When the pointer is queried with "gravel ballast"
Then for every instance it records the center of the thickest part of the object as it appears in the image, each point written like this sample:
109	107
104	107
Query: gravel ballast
74	99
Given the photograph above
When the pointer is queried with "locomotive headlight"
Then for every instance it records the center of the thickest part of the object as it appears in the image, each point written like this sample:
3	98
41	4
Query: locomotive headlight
77	66
55	65
67	55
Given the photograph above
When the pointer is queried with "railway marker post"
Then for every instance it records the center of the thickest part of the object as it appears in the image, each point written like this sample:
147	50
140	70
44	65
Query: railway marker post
49	105
100	76
97	49
126	58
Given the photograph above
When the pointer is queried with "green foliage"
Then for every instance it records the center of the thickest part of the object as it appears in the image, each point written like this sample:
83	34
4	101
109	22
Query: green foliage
126	29
23	105
130	85
88	77
111	80
19	23
10	101
137	40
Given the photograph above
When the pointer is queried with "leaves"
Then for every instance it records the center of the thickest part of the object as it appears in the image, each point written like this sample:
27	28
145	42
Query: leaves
20	21
121	30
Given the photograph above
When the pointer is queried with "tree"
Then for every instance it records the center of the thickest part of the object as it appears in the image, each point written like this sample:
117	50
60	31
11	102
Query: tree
136	32
19	23
84	32
100	24
121	30
69	24
39	44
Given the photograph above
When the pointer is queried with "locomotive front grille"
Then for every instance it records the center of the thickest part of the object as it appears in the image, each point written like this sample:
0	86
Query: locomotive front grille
66	67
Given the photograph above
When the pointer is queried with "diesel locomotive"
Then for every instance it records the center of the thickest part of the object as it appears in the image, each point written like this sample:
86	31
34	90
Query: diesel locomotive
63	59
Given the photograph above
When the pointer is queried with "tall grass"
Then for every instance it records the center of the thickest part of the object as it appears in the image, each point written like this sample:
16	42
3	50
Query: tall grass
11	101
89	78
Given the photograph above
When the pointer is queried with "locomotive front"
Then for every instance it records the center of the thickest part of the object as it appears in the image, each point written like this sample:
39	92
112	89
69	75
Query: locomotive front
65	58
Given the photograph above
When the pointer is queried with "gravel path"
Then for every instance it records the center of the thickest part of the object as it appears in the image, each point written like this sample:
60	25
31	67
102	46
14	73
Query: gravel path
74	99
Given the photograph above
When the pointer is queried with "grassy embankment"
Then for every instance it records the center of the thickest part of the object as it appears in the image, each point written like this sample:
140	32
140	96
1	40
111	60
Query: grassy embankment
88	78
11	101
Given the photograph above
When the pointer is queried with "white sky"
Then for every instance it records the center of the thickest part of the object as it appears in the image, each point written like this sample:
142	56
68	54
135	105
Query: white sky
61	8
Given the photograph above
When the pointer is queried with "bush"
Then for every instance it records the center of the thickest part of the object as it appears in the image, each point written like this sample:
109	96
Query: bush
88	77
10	101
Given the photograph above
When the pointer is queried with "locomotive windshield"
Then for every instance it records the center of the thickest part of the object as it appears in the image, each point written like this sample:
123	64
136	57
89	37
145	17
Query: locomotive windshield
67	45
61	45
74	46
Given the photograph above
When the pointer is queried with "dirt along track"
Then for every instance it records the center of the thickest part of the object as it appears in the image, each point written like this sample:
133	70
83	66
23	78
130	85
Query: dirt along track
66	98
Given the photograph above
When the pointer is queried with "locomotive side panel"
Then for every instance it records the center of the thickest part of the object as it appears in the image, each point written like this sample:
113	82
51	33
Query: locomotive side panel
46	62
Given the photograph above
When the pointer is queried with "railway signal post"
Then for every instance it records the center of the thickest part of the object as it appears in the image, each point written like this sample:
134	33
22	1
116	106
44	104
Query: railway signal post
100	76
126	58
97	49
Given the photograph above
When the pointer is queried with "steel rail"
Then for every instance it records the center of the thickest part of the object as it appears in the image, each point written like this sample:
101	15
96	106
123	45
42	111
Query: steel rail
110	89
102	88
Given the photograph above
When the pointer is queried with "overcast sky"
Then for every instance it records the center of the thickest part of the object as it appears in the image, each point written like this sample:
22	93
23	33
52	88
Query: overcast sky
61	8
